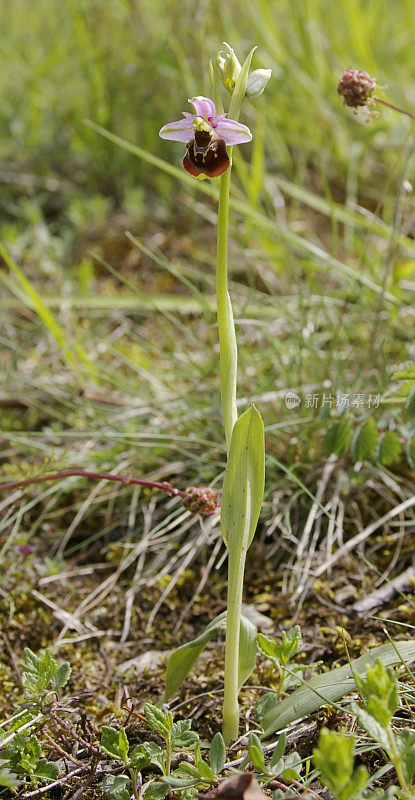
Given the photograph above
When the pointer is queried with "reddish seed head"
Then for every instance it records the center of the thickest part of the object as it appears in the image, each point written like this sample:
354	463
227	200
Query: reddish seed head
26	549
356	87
202	501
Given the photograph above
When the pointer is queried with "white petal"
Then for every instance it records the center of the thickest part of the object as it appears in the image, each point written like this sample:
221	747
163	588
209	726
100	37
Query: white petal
204	106
233	132
180	131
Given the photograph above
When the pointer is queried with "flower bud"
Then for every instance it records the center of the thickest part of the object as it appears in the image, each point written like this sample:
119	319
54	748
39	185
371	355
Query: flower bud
202	501
257	82
228	66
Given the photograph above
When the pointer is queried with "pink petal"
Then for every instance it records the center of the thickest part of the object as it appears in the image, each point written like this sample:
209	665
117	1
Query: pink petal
204	106
180	131
233	132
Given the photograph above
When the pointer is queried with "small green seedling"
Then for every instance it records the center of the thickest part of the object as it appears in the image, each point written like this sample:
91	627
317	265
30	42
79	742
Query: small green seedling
42	675
380	697
22	756
176	735
282	654
334	758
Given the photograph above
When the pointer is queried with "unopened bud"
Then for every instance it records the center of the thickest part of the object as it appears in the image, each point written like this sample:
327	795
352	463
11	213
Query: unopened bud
228	66
202	501
356	87
257	82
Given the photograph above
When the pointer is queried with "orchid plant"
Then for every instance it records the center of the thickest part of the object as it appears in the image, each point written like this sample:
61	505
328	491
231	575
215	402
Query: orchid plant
207	136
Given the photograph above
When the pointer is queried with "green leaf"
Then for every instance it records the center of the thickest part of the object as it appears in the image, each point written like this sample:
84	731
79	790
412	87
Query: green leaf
139	758
153	753
405	744
334	758
281	654
410	402
390	448
217	755
243	485
157	720
8	778
331	686
356	783
365	441
411	453
115	743
46	770
247	650
292	766
180	783
188	769
255	752
182	736
372	726
42	673
205	771
62	675
25	754
156	790
279	751
181	660
379	691
337	438
116	786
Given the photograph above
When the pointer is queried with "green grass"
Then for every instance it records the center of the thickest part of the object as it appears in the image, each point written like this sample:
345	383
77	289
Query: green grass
109	345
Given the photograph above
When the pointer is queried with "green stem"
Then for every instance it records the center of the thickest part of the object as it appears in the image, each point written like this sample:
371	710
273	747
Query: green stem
397	763
226	325
168	757
133	776
236	569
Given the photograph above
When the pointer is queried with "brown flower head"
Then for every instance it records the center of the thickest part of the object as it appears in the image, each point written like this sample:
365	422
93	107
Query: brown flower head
356	87
202	500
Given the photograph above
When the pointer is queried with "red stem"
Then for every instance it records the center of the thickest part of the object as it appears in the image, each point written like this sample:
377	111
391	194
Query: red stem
56	476
395	108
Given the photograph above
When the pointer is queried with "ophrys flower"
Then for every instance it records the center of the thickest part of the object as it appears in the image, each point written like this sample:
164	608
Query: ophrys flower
206	135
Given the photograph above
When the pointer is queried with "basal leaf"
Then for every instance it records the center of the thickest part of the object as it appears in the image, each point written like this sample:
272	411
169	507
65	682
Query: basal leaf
181	660
330	687
217	753
247	650
255	752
